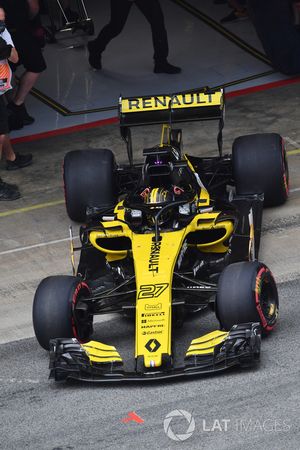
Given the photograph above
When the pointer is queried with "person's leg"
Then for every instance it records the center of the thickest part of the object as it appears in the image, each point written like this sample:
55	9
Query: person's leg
14	160
26	83
7	149
154	14
7	191
32	59
16	106
274	24
118	17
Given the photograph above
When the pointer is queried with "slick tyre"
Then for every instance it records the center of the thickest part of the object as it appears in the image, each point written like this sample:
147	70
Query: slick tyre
89	180
58	311
247	292
260	166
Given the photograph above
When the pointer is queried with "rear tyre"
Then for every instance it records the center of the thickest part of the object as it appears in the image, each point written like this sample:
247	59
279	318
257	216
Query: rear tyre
58	311
247	292
89	180
260	166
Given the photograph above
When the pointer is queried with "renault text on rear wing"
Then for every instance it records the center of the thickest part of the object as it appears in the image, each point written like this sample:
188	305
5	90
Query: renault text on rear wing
189	106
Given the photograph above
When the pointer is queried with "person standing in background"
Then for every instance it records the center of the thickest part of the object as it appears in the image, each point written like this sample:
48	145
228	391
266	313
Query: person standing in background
14	160
119	13
19	16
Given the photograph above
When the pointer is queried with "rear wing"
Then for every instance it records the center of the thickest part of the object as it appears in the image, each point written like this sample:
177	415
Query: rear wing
189	106
204	104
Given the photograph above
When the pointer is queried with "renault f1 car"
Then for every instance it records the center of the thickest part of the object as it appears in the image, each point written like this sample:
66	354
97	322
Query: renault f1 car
161	240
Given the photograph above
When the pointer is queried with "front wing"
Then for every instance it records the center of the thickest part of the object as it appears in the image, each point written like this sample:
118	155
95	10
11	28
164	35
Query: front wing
241	346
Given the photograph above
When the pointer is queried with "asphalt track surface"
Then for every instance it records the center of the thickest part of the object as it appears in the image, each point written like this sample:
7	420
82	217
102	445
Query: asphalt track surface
248	408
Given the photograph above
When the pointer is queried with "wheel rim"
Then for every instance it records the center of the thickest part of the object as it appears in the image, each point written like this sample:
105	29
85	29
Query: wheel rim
268	302
82	320
266	298
285	169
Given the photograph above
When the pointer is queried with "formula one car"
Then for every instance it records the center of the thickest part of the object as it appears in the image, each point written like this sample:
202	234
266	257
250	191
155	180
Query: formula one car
162	240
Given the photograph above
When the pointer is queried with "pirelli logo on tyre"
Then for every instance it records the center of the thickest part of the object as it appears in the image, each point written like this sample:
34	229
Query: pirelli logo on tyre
152	290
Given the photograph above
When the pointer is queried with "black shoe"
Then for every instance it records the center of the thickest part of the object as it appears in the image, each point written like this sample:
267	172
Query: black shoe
8	191
20	113
19	162
165	67
94	56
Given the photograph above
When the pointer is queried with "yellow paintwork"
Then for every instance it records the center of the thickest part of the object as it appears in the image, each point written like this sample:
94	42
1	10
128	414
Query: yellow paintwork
120	210
113	229
204	197
206	344
165	135
154	292
189	163
162	102
204	221
154	265
101	353
216	246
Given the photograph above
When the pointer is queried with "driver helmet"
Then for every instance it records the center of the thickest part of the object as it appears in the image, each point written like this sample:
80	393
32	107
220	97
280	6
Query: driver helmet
157	198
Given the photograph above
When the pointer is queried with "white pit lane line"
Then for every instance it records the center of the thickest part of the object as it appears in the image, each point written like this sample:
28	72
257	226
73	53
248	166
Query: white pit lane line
19	381
291	141
30	247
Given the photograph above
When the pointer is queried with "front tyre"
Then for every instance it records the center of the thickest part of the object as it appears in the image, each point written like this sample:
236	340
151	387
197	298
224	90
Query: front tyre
58	310
247	292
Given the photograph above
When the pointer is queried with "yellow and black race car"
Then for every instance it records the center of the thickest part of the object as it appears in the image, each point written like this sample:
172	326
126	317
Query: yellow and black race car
161	240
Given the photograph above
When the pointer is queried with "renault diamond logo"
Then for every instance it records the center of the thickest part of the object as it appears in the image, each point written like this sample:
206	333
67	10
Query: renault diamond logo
152	345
